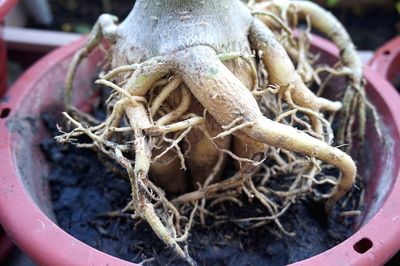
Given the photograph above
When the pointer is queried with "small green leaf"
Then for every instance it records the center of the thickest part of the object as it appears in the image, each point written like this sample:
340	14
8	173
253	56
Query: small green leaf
398	6
83	28
332	3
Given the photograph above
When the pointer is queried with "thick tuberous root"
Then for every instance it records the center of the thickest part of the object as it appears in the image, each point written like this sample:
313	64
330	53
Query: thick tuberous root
174	120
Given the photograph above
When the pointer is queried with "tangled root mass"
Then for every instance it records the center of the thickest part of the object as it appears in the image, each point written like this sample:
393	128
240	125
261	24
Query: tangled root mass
190	93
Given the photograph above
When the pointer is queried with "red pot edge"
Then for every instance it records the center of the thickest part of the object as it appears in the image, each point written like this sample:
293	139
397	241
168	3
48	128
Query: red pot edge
34	238
5	243
6	7
384	58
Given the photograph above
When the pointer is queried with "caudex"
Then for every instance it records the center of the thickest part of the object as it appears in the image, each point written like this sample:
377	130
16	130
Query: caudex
197	83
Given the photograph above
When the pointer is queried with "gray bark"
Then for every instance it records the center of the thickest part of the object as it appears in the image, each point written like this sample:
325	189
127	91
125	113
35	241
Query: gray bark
159	27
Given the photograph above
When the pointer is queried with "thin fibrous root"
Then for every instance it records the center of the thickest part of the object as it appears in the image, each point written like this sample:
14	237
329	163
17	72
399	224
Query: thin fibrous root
271	207
114	72
208	181
173	83
157	130
173	145
235	181
179	111
140	171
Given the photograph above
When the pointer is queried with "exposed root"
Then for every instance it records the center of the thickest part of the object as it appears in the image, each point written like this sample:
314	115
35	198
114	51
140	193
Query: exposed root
105	27
326	23
262	130
282	73
174	144
173	83
234	182
141	194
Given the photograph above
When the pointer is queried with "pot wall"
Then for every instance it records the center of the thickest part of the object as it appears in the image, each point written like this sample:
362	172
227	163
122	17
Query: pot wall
5	6
386	61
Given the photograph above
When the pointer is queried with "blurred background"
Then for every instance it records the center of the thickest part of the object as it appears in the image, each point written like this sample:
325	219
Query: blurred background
370	22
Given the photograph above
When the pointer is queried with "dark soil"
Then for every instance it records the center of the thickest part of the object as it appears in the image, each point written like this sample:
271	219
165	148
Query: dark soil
396	82
83	189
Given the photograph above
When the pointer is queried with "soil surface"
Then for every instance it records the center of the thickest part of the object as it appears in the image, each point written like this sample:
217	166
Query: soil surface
83	189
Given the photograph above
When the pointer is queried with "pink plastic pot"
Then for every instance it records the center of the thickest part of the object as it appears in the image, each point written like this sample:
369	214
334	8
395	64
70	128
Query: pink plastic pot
386	60
25	208
5	7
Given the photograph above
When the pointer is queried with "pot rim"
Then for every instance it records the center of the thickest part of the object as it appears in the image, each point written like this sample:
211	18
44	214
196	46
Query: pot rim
387	58
5	7
42	239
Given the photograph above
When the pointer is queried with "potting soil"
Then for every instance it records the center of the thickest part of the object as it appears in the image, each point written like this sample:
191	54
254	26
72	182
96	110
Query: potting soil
83	190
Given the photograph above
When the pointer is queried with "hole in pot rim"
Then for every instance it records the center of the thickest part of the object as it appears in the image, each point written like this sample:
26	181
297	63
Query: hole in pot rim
363	245
5	112
386	52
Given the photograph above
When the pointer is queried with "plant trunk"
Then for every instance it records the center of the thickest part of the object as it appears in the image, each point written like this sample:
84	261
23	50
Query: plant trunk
155	28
